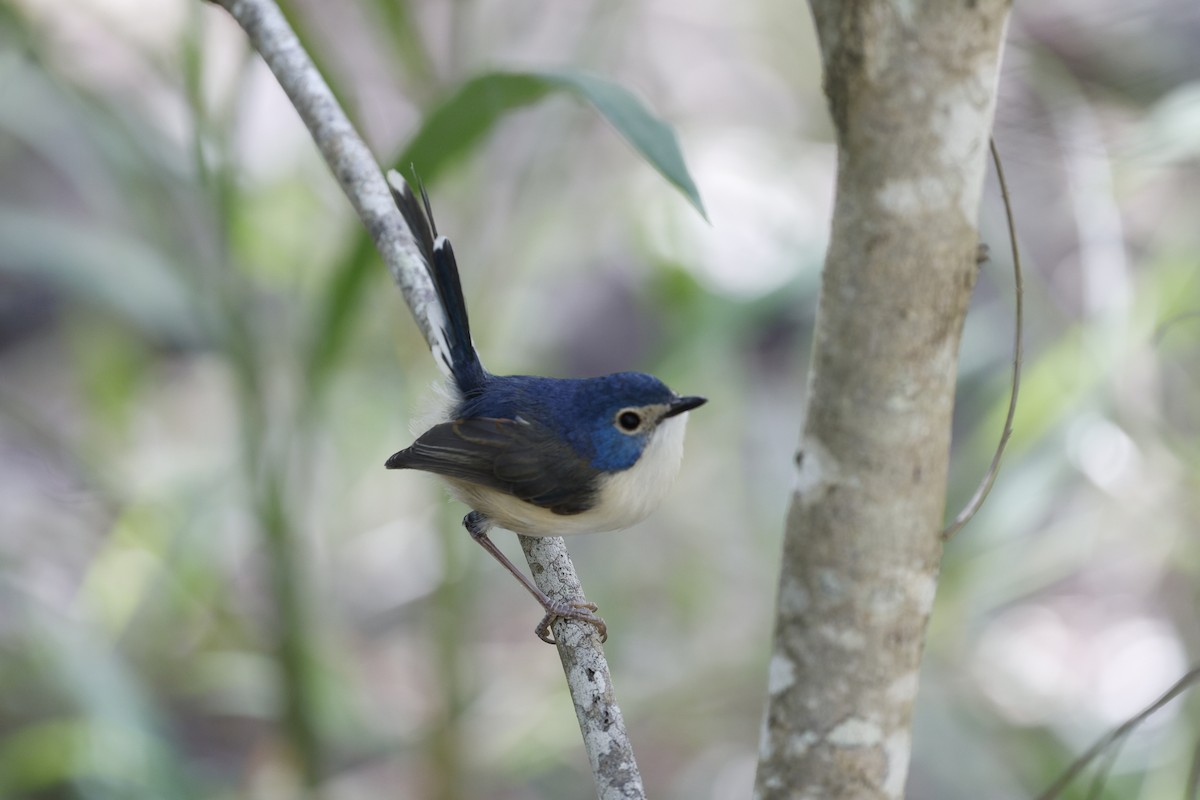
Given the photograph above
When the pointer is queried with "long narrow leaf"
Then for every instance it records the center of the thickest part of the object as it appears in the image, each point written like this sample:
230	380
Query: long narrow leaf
470	113
649	135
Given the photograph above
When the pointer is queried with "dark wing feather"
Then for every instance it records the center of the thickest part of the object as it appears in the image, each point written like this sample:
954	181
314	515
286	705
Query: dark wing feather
514	456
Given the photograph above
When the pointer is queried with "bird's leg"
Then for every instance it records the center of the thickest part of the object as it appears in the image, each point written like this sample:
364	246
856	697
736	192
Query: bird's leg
478	526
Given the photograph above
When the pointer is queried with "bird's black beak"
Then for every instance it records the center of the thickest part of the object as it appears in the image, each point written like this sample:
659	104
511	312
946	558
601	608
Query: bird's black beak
682	404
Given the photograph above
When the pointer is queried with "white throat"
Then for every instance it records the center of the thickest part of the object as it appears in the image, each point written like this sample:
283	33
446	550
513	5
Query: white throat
628	497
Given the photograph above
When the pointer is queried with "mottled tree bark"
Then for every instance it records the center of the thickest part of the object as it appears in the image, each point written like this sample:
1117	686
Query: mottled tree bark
911	88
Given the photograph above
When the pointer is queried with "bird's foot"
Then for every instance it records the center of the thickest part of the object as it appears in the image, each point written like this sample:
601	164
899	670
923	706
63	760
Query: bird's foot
581	610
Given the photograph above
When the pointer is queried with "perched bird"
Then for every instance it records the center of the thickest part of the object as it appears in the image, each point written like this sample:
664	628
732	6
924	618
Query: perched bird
538	456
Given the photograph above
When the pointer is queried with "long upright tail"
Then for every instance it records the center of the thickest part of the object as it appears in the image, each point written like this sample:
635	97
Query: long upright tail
458	354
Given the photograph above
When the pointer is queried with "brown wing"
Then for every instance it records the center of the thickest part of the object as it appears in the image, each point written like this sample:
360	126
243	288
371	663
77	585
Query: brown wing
514	456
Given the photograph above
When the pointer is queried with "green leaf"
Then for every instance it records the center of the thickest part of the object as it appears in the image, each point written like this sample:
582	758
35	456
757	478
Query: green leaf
649	135
456	125
462	120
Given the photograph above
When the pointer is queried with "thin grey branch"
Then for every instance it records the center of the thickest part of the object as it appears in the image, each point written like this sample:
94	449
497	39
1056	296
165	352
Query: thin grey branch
608	747
1100	779
609	751
1116	734
343	149
985	486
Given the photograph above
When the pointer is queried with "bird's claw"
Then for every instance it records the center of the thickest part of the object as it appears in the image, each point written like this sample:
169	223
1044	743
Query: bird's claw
581	610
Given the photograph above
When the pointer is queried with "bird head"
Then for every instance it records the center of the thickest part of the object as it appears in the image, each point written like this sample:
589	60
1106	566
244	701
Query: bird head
617	417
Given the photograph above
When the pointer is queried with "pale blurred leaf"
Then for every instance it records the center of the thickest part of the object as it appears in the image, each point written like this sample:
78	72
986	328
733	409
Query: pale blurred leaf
118	274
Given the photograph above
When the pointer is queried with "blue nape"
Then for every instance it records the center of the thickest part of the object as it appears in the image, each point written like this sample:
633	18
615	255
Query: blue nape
581	411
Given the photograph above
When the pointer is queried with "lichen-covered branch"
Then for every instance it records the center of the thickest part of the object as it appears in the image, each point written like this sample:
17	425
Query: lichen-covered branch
911	88
608	747
343	149
356	170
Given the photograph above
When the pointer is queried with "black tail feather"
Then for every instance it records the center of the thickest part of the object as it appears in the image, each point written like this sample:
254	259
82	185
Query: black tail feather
468	372
417	222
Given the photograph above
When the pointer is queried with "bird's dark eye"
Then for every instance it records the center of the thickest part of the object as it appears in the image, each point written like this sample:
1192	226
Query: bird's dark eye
629	420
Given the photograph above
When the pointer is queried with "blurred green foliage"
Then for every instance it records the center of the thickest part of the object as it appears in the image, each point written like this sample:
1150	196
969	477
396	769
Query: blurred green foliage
209	587
459	123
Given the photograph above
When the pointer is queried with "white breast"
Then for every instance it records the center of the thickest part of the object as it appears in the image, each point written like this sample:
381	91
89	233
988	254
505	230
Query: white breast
626	498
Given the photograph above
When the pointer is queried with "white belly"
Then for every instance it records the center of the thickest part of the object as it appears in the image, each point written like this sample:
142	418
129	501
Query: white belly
626	498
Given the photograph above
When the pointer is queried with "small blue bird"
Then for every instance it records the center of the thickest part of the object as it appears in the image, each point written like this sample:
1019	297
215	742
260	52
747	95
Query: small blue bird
538	456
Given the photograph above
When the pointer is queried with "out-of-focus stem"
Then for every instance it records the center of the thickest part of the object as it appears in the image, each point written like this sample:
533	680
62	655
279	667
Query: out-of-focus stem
264	476
287	582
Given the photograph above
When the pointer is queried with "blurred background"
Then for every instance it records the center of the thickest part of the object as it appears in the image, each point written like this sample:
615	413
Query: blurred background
211	588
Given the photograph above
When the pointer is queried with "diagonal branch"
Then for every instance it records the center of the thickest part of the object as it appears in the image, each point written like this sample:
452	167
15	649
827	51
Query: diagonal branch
605	739
1118	733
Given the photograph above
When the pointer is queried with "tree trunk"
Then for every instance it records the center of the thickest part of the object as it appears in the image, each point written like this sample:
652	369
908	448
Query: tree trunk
911	87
